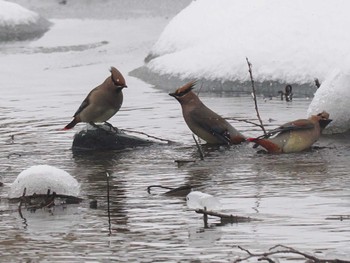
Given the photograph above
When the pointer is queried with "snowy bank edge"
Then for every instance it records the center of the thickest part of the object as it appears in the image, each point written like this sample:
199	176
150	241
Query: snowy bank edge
169	83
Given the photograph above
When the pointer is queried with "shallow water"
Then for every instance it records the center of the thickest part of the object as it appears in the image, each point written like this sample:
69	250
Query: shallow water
42	84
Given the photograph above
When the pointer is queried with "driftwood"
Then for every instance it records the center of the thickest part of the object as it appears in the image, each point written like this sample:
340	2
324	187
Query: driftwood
224	218
281	249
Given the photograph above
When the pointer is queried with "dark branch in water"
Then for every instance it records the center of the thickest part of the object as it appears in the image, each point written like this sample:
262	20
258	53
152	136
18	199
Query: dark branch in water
183	190
254	96
157	186
201	154
225	218
281	249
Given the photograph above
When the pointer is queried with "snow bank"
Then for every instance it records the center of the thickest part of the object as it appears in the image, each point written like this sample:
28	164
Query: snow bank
18	23
333	96
39	178
286	41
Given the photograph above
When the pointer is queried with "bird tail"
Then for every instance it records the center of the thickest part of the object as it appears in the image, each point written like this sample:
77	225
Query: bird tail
267	144
71	124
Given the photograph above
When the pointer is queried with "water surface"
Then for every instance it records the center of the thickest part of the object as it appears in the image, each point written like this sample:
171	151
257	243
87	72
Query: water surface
42	84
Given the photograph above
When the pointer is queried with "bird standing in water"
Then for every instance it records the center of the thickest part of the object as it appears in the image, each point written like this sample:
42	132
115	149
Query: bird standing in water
102	102
295	136
202	121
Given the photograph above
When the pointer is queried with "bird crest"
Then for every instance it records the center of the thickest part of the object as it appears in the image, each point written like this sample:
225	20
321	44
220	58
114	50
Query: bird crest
323	115
185	89
117	77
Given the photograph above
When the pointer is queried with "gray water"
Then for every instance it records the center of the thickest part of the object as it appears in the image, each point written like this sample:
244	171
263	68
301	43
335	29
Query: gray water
297	198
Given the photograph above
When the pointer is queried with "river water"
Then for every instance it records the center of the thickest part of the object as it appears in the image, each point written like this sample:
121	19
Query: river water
298	198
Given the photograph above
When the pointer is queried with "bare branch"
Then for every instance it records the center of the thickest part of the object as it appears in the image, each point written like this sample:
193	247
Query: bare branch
285	250
149	136
254	96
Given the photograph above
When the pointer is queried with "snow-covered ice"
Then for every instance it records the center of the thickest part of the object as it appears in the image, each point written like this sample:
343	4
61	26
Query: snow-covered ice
333	96
286	41
199	200
19	23
39	178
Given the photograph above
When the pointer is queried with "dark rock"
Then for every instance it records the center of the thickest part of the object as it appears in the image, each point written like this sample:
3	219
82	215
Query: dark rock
105	137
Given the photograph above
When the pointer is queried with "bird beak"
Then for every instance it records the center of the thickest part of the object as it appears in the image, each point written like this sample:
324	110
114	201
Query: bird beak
324	123
172	95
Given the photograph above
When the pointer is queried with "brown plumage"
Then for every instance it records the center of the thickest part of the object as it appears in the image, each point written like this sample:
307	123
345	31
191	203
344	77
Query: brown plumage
295	136
202	121
102	102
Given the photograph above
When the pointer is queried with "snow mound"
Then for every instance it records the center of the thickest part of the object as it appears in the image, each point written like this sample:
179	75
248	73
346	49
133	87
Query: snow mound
18	23
333	96
199	200
39	178
286	41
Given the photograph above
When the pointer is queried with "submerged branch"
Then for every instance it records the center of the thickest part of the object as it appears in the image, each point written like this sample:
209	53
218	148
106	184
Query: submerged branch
225	218
281	249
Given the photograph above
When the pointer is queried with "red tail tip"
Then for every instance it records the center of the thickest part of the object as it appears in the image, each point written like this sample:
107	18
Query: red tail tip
251	139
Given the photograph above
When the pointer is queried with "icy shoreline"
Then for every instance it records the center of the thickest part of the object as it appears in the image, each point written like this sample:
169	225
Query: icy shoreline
168	82
287	42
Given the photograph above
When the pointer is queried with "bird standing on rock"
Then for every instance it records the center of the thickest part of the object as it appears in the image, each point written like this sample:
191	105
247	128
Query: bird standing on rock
202	121
102	102
295	136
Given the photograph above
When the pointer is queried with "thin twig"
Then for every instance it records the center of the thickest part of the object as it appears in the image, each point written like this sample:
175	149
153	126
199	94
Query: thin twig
108	206
20	202
246	121
254	96
149	136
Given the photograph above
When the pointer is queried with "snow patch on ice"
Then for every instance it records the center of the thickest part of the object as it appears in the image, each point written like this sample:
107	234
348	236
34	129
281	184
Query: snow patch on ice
286	41
39	178
333	96
199	200
14	14
19	23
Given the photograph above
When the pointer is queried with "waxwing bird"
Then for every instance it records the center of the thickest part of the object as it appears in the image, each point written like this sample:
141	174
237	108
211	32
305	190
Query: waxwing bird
102	102
202	121
295	136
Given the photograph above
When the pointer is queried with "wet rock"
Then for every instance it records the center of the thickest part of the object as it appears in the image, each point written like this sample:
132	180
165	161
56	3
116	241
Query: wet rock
104	137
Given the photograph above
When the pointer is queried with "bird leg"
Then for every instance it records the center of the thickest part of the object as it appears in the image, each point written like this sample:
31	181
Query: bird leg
112	128
94	125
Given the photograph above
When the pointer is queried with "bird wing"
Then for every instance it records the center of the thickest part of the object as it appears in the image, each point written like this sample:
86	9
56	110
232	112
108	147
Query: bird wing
302	124
82	106
85	102
213	125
